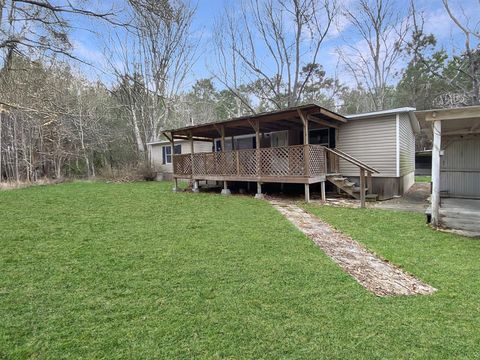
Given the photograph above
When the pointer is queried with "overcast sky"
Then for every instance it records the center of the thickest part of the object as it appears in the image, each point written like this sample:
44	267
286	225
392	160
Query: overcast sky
88	46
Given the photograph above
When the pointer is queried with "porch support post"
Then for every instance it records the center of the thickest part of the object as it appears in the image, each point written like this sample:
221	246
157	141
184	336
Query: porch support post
436	148
225	190
195	188
369	182
192	151
222	136
362	187
175	180
306	150
324	197
259	194
307	193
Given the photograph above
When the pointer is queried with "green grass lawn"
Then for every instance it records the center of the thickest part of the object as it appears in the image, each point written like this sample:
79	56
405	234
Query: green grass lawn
92	270
423	179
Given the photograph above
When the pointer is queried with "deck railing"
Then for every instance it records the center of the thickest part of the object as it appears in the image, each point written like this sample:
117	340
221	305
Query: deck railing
288	161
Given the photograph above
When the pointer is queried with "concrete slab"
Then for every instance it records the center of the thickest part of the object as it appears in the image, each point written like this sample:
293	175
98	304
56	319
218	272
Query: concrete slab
461	215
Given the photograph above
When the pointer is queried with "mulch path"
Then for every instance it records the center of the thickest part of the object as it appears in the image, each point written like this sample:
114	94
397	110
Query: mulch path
375	274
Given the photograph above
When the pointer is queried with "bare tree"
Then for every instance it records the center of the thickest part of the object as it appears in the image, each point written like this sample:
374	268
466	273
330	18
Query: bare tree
43	26
470	66
372	60
229	70
269	45
153	65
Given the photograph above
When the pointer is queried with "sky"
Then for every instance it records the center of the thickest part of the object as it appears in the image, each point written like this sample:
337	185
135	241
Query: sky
88	46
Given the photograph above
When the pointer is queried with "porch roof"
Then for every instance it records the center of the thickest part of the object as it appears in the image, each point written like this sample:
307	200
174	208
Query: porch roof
269	121
455	121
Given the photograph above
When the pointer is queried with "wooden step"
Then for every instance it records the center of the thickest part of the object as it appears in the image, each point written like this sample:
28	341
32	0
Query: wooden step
356	189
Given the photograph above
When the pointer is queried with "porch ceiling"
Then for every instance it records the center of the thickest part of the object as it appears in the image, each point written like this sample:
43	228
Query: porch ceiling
456	121
269	122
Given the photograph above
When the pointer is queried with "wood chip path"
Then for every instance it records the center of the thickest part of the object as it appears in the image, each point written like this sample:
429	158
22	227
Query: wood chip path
375	274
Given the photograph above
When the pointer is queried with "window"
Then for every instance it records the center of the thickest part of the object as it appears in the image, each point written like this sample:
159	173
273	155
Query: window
167	153
228	145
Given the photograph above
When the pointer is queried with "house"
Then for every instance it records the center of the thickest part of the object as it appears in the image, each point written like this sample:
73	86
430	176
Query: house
160	154
455	200
306	145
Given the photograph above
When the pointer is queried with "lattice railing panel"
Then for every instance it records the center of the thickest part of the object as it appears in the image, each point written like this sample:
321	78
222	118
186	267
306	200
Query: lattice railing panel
227	162
317	160
182	164
210	164
199	165
276	162
247	163
296	160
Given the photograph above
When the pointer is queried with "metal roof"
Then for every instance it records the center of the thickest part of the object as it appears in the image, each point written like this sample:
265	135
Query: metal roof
271	121
381	113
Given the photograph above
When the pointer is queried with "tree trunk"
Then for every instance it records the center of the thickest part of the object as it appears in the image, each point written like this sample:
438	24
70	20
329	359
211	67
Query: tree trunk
15	150
136	131
474	73
1	125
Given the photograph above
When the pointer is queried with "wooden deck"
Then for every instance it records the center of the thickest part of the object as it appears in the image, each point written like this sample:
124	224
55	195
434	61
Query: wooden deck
302	164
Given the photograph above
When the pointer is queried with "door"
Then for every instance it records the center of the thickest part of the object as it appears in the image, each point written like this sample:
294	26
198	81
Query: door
280	157
280	139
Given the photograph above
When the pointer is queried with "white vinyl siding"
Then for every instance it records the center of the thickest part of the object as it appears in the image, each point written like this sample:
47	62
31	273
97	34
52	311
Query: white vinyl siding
372	141
156	153
407	145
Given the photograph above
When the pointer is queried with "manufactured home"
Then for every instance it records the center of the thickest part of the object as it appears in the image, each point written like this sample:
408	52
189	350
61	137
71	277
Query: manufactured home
362	154
455	200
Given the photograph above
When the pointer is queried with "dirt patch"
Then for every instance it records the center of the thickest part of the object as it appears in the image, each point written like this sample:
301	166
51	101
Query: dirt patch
415	199
375	274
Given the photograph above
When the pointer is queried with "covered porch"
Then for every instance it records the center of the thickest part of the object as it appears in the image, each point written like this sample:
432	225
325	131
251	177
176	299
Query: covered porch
296	145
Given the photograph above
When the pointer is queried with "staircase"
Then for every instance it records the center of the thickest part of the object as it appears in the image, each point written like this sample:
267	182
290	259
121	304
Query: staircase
345	185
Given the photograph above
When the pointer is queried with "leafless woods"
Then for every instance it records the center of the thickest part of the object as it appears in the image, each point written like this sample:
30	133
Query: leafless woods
158	68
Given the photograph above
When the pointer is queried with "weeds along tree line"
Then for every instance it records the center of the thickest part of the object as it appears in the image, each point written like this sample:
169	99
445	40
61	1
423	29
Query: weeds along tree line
56	122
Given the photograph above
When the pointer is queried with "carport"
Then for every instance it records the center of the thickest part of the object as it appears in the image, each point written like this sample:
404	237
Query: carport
455	201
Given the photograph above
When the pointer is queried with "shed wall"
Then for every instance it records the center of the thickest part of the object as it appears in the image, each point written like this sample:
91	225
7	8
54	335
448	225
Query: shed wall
407	145
372	141
460	166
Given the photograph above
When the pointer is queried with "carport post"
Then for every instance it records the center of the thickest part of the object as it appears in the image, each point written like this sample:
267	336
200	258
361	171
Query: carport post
436	148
